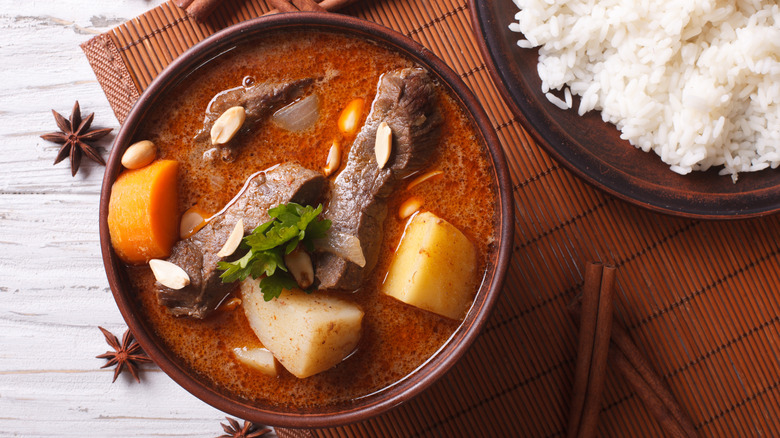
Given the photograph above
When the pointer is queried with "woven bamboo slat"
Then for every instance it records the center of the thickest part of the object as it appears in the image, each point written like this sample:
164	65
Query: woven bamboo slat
699	298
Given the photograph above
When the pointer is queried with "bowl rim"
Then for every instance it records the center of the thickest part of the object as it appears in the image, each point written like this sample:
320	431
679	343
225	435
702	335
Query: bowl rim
465	334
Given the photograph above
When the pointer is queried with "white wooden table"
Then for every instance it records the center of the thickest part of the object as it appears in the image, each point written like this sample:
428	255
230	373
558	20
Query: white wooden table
53	290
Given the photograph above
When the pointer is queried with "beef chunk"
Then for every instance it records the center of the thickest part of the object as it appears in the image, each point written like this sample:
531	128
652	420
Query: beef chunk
259	101
406	100
197	255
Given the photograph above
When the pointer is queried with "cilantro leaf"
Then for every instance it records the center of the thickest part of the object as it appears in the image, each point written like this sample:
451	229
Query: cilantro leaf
291	225
236	270
307	215
266	262
273	285
291	245
318	229
261	229
272	237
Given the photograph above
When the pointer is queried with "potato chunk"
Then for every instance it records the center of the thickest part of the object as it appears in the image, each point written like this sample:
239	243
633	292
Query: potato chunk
434	267
260	359
307	333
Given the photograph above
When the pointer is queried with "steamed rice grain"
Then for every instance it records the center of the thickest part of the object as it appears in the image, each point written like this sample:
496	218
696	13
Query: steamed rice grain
696	81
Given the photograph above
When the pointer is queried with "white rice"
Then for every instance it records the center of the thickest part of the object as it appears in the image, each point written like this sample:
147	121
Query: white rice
696	81
555	100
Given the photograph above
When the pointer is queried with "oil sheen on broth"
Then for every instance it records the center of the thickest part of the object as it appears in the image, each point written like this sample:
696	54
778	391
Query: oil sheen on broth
396	338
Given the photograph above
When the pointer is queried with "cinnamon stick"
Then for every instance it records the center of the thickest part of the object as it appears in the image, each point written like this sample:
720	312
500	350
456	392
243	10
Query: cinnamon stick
598	370
589	314
182	3
282	6
201	9
623	342
291	5
308	5
650	388
592	350
653	404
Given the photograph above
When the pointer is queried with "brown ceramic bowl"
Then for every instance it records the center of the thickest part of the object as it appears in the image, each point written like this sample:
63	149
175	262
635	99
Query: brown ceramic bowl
434	368
593	149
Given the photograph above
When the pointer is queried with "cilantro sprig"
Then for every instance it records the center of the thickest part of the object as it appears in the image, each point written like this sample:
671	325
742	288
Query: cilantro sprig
291	225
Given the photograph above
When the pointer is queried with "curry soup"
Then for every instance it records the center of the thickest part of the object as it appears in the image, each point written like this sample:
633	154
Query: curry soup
396	338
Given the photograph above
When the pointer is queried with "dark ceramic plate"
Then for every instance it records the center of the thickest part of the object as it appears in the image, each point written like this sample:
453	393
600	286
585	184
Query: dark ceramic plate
593	149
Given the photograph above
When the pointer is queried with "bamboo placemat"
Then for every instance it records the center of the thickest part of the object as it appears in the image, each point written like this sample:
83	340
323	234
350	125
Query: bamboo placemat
699	298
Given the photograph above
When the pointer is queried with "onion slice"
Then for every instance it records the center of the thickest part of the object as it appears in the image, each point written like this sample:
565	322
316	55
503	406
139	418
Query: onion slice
343	245
299	115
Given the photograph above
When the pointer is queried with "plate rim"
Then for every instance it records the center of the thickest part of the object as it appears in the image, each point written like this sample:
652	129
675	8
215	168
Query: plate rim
479	10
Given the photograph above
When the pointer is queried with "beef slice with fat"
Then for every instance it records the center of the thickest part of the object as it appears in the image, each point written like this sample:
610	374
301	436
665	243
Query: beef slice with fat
406	101
197	255
259	100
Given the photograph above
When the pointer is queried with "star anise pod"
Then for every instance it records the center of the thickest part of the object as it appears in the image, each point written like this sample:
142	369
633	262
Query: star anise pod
249	430
73	137
128	354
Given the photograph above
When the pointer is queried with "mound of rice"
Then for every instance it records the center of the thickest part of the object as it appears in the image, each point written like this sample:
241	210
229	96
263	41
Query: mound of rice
696	81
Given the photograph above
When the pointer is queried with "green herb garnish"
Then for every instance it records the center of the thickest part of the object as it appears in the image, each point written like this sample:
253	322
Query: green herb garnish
290	225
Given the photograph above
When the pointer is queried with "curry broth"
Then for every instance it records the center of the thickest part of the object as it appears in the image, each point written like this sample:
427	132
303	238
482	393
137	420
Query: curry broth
397	338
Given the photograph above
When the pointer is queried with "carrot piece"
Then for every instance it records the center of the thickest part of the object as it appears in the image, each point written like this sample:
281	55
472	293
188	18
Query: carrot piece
143	212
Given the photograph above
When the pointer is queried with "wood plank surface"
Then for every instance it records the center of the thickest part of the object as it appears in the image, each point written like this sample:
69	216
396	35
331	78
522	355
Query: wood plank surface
53	290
